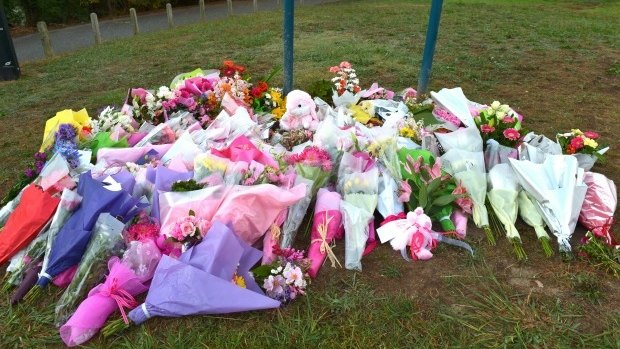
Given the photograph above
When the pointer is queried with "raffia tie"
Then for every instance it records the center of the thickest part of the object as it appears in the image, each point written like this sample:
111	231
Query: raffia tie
275	232
325	248
122	298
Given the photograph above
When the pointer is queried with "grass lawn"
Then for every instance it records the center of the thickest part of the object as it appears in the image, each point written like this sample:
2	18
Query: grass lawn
557	62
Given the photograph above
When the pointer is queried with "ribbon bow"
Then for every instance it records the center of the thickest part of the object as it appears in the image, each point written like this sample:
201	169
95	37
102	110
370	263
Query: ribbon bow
325	248
123	298
604	231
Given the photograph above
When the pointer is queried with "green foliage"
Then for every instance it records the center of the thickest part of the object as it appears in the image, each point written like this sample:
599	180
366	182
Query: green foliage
321	89
189	185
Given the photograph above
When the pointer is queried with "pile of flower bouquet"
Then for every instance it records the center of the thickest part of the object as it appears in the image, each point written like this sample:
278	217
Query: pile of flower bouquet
197	192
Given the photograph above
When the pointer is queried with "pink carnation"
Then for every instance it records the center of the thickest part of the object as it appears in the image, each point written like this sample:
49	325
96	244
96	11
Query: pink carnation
345	65
312	156
445	115
488	128
577	143
591	134
511	134
508	119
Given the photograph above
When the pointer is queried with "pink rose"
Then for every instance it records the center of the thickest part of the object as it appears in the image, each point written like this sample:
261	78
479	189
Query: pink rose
511	134
187	228
334	69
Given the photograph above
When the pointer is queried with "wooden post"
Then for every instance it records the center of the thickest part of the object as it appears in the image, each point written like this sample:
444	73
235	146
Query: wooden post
203	12
133	16
230	8
94	21
255	5
169	13
45	39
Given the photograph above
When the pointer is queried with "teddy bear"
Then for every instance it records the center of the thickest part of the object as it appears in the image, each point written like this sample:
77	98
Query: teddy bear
300	112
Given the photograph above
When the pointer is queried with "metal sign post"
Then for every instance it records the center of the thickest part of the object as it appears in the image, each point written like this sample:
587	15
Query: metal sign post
289	19
429	46
9	67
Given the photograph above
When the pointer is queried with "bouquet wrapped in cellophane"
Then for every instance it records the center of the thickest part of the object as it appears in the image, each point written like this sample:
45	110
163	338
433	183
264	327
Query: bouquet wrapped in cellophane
314	165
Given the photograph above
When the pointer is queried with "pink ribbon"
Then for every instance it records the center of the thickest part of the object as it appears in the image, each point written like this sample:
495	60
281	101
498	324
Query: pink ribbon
604	231
123	298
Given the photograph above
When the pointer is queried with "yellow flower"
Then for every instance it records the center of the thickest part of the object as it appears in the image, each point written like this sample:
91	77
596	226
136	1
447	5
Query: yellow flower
211	164
278	113
589	142
576	131
239	281
407	132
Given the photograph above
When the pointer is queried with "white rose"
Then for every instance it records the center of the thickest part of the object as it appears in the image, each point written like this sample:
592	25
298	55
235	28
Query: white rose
495	105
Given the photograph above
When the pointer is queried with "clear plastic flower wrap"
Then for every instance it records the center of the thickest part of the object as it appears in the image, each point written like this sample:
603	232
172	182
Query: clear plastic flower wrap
531	216
358	206
296	214
207	164
557	188
503	191
106	241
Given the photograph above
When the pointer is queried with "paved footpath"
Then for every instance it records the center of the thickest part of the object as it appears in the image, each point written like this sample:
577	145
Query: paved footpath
68	39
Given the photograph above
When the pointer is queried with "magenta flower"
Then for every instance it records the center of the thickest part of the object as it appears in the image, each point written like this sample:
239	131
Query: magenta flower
487	128
312	156
511	134
591	134
577	143
508	119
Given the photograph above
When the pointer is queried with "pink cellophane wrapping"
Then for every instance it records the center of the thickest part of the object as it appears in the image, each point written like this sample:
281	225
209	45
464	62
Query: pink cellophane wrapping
242	149
121	156
460	221
63	279
270	241
252	209
126	279
327	213
598	208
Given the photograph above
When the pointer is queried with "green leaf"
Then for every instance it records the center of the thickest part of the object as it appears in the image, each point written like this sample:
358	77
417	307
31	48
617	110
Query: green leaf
423	196
444	200
427	117
433	185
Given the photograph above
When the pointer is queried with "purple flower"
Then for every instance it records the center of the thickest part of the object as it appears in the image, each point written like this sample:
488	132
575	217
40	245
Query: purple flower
40	156
66	132
29	173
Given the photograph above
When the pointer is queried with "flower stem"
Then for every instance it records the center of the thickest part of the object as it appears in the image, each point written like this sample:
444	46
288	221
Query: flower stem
489	234
567	256
517	246
546	246
114	327
6	286
34	294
